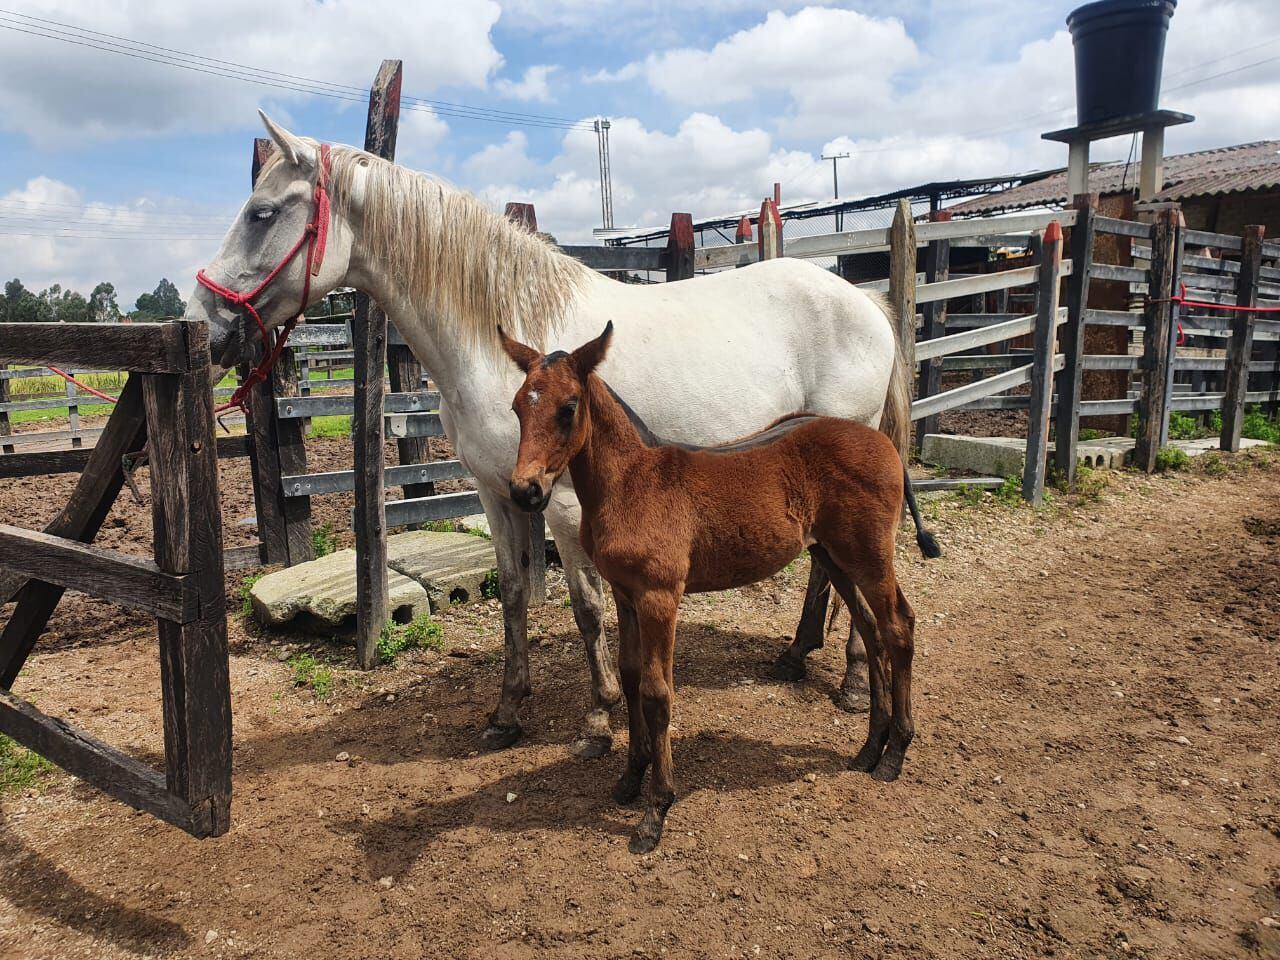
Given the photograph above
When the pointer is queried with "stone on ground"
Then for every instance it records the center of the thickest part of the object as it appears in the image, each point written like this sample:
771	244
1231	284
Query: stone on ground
427	571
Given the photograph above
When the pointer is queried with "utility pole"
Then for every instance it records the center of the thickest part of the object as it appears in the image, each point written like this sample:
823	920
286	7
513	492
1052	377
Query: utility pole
835	159
606	177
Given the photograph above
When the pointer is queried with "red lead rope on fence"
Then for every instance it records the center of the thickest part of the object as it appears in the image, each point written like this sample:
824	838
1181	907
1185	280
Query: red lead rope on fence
83	386
314	236
1183	300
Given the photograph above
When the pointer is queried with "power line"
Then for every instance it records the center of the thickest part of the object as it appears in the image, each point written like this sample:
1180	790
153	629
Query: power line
226	69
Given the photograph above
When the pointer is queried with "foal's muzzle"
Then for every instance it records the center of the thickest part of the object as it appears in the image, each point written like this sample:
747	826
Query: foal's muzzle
530	495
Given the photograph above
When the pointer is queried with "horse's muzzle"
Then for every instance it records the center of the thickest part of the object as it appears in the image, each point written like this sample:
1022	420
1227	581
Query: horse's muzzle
530	495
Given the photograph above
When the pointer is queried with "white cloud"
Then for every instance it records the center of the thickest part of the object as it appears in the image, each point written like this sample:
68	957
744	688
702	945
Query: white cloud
62	94
505	162
419	138
533	86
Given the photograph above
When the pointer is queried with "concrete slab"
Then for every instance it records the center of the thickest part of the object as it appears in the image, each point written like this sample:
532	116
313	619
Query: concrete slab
1005	456
451	567
321	595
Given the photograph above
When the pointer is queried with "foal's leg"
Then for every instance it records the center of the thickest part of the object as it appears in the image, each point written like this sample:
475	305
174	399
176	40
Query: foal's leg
656	612
587	594
511	543
899	634
879	721
809	632
630	664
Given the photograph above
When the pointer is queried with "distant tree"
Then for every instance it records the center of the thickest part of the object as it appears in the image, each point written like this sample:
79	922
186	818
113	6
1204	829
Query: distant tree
20	305
164	301
102	303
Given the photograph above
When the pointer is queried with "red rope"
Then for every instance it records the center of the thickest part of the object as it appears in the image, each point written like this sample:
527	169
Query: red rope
1182	299
83	386
315	236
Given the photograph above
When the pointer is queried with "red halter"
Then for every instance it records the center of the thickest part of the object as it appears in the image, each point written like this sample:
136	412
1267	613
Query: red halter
315	235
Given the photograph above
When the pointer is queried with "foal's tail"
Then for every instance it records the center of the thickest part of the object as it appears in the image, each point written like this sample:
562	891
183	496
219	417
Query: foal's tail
925	540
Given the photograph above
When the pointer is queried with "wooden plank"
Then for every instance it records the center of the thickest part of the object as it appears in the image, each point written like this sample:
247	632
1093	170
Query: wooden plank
106	768
1203	238
5	427
264	464
341	481
413	425
186	516
1240	348
734	255
406	380
291	456
982	283
1104	361
369	338
1112	318
978	337
954	230
1111	271
320	335
937	267
956	483
137	347
96	571
1049	251
1103	408
443	506
1067	413
986	361
1158	336
80	519
50	462
618	259
959	396
902	291
679	252
970	321
1124	228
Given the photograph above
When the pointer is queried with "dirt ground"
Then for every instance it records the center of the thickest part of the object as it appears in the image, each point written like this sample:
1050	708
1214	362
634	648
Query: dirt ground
1097	702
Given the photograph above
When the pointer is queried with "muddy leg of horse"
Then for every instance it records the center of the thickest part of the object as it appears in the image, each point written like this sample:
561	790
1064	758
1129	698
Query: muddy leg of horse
657	616
879	721
587	593
899	637
790	663
510	529
629	664
852	695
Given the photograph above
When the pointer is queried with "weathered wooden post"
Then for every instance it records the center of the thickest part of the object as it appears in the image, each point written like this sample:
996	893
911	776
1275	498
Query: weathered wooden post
291	442
770	239
1240	348
680	247
1049	251
524	215
261	428
6	430
1158	339
902	283
743	233
1067	419
369	338
937	266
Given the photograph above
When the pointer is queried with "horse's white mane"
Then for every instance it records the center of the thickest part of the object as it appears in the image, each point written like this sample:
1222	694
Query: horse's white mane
455	257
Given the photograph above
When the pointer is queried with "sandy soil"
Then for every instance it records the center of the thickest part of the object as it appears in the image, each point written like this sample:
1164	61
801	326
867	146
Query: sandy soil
1098	707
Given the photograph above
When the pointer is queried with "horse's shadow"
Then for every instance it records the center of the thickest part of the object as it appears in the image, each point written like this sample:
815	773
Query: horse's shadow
572	795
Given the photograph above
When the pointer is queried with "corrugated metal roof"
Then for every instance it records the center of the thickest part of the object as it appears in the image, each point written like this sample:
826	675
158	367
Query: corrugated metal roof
1247	166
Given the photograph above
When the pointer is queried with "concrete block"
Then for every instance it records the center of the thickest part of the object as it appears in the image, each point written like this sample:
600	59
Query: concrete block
451	567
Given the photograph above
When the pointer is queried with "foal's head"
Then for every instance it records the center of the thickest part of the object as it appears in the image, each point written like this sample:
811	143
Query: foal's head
554	422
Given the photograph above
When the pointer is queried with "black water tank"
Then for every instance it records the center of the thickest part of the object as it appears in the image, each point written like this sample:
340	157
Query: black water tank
1119	48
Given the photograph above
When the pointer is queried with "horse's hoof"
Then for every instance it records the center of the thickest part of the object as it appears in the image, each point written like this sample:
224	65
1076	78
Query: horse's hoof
644	842
627	788
887	769
787	667
851	701
867	759
591	747
497	737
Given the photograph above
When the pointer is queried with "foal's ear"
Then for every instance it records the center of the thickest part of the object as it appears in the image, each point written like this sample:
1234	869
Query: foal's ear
589	356
522	356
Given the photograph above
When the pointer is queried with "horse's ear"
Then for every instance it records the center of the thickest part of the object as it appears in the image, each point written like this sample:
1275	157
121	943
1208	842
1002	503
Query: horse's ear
521	355
590	355
296	150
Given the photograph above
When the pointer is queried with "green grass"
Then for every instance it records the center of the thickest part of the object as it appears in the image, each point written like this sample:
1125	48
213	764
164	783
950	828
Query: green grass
422	633
310	673
323	540
1256	426
20	768
246	602
1171	459
441	526
490	589
1089	433
335	426
1183	427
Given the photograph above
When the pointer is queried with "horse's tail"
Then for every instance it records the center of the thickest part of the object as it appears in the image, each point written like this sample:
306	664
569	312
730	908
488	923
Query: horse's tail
895	421
925	540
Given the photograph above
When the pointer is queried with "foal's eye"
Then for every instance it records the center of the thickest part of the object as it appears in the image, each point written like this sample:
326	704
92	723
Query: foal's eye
566	412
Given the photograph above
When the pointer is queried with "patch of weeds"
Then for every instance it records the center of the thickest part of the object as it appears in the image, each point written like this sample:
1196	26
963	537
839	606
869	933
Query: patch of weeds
1183	427
1089	433
1256	426
311	673
20	768
441	526
1009	492
567	602
1090	483
1171	460
246	587
477	532
969	494
1211	464
421	633
323	540
490	589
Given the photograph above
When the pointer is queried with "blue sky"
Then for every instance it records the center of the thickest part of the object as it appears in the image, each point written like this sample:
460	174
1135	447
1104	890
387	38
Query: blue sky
710	103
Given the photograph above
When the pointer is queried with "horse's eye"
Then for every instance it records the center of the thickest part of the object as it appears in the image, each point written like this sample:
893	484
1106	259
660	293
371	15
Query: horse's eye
262	213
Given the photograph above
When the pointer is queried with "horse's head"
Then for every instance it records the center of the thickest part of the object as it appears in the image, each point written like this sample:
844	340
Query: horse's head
555	422
284	206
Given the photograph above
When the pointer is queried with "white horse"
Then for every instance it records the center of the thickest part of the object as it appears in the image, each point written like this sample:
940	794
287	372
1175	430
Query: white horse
702	361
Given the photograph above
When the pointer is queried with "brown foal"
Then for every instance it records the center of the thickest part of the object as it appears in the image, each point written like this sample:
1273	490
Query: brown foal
661	520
